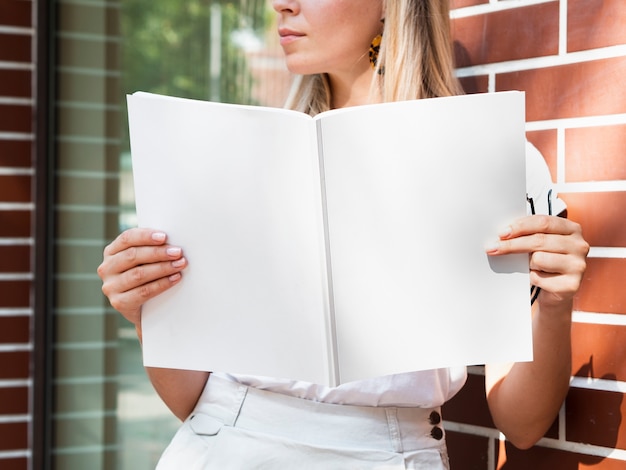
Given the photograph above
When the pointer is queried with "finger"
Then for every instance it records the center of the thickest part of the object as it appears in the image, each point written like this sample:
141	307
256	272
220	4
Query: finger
557	263
532	243
572	245
148	273
541	233
135	237
559	285
131	279
136	256
540	224
129	303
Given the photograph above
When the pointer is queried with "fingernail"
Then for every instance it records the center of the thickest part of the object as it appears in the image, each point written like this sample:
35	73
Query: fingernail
173	251
158	236
174	277
178	263
492	246
505	232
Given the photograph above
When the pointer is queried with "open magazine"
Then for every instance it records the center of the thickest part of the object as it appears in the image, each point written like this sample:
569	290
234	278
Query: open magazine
335	248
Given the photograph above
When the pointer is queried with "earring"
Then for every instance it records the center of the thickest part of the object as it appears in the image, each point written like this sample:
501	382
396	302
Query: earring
375	50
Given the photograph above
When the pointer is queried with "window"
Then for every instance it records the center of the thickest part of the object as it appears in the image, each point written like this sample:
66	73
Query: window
106	414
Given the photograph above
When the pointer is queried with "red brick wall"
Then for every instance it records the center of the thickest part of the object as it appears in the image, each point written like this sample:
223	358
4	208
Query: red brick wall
16	229
569	56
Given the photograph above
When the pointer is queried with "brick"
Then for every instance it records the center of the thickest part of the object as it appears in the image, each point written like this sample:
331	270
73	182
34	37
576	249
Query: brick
14	365
14	330
458	409
475	84
602	289
546	143
540	458
13	436
16	118
595	153
15	224
16	83
15	259
15	153
574	90
595	23
598	351
594	417
467	451
13	401
15	188
16	13
14	463
466	3
513	34
15	294
601	216
15	48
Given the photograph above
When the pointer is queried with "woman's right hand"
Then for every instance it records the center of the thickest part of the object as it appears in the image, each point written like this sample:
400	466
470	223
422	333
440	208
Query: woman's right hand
137	266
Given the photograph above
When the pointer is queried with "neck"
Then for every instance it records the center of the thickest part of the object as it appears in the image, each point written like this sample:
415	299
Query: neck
351	90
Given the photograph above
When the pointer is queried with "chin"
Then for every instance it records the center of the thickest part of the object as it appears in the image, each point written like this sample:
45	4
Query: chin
301	67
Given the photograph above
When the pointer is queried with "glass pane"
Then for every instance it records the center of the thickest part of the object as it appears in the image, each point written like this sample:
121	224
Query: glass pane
86	210
222	51
107	416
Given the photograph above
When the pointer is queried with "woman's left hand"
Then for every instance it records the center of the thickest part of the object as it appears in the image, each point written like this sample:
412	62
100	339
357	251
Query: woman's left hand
557	252
525	397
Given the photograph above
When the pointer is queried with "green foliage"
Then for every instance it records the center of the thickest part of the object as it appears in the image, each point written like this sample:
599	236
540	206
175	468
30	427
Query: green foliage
167	47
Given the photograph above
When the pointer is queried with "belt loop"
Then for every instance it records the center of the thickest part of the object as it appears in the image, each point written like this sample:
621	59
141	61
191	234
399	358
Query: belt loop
222	399
240	397
394	429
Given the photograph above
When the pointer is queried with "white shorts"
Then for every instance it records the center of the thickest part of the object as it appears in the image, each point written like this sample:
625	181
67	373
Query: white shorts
238	427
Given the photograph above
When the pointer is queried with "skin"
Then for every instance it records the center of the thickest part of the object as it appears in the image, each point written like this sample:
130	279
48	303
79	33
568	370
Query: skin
524	398
308	35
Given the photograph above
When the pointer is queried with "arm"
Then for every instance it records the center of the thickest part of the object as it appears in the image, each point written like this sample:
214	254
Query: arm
524	398
179	389
138	265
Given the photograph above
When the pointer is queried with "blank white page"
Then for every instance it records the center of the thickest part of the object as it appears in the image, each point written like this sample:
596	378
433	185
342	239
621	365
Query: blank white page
414	191
238	190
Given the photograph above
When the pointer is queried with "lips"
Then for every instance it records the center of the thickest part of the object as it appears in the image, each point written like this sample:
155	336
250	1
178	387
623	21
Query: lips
287	36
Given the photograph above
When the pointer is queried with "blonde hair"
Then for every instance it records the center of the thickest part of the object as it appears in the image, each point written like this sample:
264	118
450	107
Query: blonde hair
416	54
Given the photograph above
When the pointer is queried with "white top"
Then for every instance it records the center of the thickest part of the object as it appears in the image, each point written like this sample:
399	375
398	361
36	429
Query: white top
429	388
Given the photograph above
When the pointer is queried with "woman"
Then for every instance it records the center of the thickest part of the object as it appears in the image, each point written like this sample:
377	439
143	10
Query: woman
392	422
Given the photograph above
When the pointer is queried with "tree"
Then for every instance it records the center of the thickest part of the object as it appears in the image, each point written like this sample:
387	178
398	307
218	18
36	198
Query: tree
167	47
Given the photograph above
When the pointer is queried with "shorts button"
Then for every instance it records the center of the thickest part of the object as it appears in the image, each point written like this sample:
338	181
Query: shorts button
434	418
436	433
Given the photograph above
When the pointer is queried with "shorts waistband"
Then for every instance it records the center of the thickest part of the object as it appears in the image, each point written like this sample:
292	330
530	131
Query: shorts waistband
395	429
